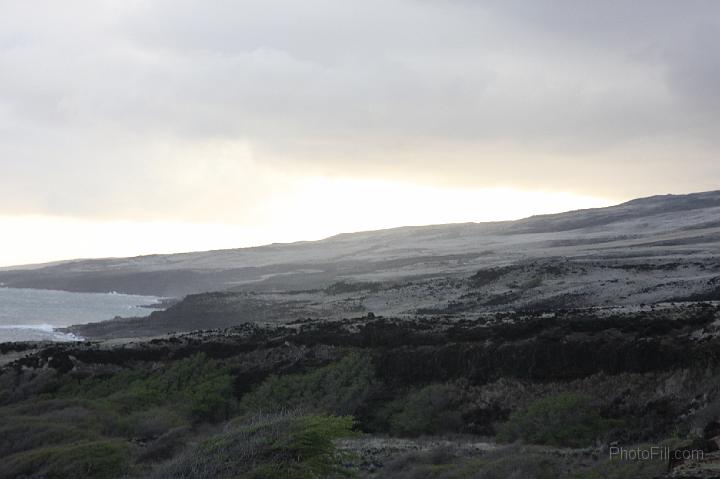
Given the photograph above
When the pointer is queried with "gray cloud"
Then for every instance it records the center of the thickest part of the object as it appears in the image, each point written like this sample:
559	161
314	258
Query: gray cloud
108	107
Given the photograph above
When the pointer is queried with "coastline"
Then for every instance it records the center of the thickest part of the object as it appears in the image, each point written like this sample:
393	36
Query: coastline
41	315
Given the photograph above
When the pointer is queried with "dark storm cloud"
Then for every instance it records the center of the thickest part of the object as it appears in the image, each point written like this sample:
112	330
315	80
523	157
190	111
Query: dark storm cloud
116	108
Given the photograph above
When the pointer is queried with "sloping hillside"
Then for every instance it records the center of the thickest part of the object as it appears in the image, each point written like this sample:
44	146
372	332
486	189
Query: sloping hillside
683	227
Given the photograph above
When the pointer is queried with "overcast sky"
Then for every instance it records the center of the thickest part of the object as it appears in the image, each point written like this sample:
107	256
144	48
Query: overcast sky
278	119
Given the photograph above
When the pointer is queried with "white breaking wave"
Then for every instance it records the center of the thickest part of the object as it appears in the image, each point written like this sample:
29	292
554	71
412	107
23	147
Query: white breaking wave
40	315
35	332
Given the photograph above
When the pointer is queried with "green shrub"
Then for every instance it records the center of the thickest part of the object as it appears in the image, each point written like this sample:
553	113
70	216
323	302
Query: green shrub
143	425
433	409
308	449
100	426
98	459
199	387
266	446
164	446
339	388
566	419
92	427
21	433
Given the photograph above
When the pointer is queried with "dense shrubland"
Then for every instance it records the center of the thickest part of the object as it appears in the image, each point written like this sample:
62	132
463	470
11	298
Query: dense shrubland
275	403
93	426
182	420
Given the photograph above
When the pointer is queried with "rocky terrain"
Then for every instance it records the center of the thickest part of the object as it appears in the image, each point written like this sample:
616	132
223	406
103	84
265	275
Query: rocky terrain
656	250
645	249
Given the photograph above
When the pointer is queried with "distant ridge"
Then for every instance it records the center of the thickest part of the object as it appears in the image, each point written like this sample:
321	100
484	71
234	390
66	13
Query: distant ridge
368	253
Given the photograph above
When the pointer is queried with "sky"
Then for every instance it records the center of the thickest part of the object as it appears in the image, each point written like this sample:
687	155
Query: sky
146	126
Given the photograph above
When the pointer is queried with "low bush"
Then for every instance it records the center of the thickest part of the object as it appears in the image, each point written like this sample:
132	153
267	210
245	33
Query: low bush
104	426
566	419
269	446
98	459
199	387
144	425
164	446
339	388
18	433
434	409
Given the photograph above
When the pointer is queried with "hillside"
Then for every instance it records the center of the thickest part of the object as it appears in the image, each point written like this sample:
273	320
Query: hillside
648	251
660	229
515	349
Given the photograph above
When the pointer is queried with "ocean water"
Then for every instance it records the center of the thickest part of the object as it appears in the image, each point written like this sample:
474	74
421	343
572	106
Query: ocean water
34	314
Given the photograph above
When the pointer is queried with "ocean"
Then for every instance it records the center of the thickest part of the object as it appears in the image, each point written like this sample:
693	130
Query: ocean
34	314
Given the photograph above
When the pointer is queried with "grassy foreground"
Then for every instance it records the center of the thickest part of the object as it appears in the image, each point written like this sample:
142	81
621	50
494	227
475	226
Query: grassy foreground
184	419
